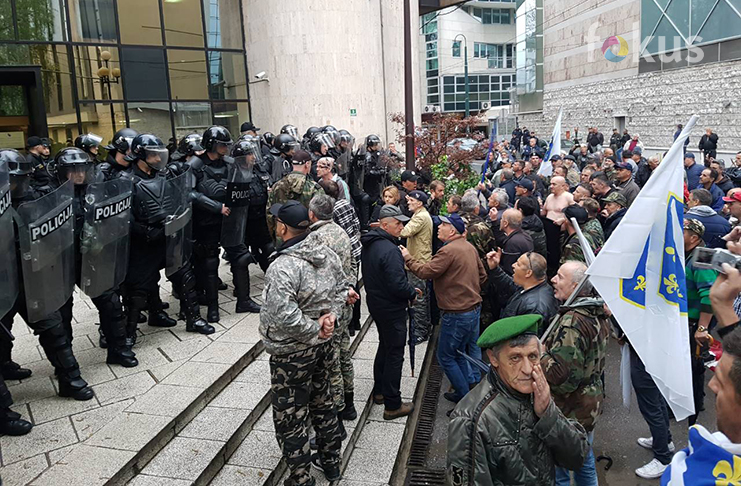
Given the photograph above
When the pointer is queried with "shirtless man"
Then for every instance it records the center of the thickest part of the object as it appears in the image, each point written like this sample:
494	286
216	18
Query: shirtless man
559	199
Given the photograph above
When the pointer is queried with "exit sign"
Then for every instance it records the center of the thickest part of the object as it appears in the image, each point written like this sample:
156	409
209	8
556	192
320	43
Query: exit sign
353	112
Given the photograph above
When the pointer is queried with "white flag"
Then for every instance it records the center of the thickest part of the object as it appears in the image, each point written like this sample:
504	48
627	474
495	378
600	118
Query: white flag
585	248
640	274
554	148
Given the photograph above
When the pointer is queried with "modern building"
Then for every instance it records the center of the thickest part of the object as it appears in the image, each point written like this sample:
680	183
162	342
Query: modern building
683	58
177	66
487	29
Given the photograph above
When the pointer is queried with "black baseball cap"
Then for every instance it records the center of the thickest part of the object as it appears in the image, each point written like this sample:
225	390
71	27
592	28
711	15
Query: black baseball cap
391	211
409	175
456	220
292	214
248	127
33	141
419	196
526	183
577	212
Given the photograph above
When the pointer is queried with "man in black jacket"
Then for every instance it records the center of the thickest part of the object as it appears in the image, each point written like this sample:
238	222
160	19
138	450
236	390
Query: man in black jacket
615	209
527	290
516	242
709	144
388	295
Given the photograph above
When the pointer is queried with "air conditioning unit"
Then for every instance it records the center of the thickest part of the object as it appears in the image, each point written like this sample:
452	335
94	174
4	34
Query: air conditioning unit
485	105
432	109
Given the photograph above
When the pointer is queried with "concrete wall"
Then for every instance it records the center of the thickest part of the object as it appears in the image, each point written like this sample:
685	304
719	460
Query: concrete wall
325	58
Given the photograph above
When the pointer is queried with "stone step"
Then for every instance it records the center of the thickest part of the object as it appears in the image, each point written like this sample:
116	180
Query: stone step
226	426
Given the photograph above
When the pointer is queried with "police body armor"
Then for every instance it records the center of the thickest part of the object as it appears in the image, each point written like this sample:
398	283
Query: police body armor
46	233
105	236
374	175
238	196
178	222
211	182
8	260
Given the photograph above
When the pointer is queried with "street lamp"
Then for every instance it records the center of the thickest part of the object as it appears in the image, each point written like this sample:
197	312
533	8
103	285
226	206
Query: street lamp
108	76
465	71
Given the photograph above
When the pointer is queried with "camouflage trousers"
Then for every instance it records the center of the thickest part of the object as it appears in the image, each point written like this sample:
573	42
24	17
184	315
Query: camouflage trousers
300	391
342	375
421	307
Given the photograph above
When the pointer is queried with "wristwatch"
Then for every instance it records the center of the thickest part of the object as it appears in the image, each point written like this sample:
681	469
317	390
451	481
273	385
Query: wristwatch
701	329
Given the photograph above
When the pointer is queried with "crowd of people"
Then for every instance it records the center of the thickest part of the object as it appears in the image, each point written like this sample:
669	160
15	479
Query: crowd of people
492	267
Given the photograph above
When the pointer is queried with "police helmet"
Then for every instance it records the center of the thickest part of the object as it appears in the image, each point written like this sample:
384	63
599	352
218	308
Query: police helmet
311	132
216	136
290	130
284	143
88	142
122	140
372	140
190	144
74	164
16	162
150	148
267	139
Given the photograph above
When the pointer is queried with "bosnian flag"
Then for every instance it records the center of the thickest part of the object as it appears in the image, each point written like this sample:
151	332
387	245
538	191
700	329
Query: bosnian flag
554	148
710	460
639	272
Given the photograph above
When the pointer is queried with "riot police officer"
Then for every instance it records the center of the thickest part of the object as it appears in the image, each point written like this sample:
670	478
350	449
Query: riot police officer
310	132
159	239
189	146
45	283
284	147
266	143
319	147
89	143
369	178
116	163
102	261
290	130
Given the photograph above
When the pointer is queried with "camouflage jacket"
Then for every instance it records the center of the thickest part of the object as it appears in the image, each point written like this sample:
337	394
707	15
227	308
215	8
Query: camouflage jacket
304	279
479	234
575	359
295	186
594	229
571	249
333	236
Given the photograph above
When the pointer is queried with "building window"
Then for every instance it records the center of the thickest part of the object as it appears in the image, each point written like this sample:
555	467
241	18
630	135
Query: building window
92	20
142	25
500	56
482	88
490	16
188	77
41	20
456	48
144	73
183	23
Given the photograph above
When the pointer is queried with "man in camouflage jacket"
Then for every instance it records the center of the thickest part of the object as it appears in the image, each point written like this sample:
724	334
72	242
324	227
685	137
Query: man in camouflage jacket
296	186
305	289
574	361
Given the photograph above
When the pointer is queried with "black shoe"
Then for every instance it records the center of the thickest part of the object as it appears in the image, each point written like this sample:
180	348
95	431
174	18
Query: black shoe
165	305
11	423
331	473
199	326
13	371
213	313
131	341
76	389
142	318
102	341
248	305
123	358
222	285
349	412
161	319
451	397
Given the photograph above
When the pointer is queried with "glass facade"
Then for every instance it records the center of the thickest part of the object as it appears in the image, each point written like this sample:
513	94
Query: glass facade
166	66
529	55
429	30
493	88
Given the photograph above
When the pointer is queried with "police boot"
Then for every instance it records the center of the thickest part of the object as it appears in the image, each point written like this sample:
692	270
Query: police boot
102	341
11	423
189	305
242	285
349	412
157	316
13	371
59	352
119	352
211	285
222	285
134	305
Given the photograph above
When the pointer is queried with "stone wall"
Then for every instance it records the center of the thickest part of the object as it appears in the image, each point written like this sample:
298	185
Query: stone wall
652	103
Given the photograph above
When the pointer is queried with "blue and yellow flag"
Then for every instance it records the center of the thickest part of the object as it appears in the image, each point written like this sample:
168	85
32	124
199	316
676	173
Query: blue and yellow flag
640	274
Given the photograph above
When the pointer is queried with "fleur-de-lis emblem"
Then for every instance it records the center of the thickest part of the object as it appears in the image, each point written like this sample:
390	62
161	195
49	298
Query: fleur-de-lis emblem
671	252
727	475
672	285
641	283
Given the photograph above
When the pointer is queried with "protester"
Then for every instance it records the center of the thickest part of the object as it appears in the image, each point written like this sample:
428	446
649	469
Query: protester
453	205
574	362
532	224
388	295
390	195
693	171
516	241
457	274
593	226
526	291
716	226
508	430
437	195
709	144
624	182
571	249
555	203
418	233
615	209
707	181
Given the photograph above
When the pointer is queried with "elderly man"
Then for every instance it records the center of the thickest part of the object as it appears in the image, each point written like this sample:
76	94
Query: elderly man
555	203
418	233
457	274
324	172
615	209
526	291
388	294
329	233
305	289
571	248
508	430
478	233
532	224
516	241
574	361
624	182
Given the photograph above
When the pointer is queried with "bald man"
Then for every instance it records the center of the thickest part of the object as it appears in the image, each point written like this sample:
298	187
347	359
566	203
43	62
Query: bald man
516	241
559	199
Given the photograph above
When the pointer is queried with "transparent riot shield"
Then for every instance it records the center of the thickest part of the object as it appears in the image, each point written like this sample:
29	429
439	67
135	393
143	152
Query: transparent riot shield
105	236
47	233
238	201
8	261
177	225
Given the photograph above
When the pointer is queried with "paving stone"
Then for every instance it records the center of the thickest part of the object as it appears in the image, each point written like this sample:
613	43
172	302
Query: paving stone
259	449
215	423
257	372
366	350
381	435
223	352
363	369
123	388
166	400
27	352
97	373
183	458
239	395
59	454
408	387
88	423
21	473
34	388
248	476
266	422
178	350
42	438
244	332
162	372
200	375
129	431
54	407
370	466
148	357
40	369
79	468
233	319
144	480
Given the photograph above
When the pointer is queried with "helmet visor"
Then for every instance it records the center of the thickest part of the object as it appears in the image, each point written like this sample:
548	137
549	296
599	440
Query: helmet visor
93	139
79	174
292	131
155	157
327	139
19	185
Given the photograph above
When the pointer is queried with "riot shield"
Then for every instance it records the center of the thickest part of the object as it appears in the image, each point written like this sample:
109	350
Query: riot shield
46	230
8	260
177	225
238	201
105	236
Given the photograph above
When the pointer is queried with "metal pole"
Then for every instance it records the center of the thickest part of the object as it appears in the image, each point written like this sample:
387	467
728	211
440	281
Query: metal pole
408	94
465	73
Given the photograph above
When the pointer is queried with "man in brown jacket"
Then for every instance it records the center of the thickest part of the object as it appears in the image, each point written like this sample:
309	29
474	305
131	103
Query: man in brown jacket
457	275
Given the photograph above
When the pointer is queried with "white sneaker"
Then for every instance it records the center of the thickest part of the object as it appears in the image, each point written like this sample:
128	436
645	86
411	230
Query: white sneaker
652	470
648	443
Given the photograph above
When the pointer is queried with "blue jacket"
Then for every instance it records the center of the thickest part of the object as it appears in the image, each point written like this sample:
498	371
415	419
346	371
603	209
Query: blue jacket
717	194
693	175
716	227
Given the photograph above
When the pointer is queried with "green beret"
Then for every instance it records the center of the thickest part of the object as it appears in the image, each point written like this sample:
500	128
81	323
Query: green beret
508	328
